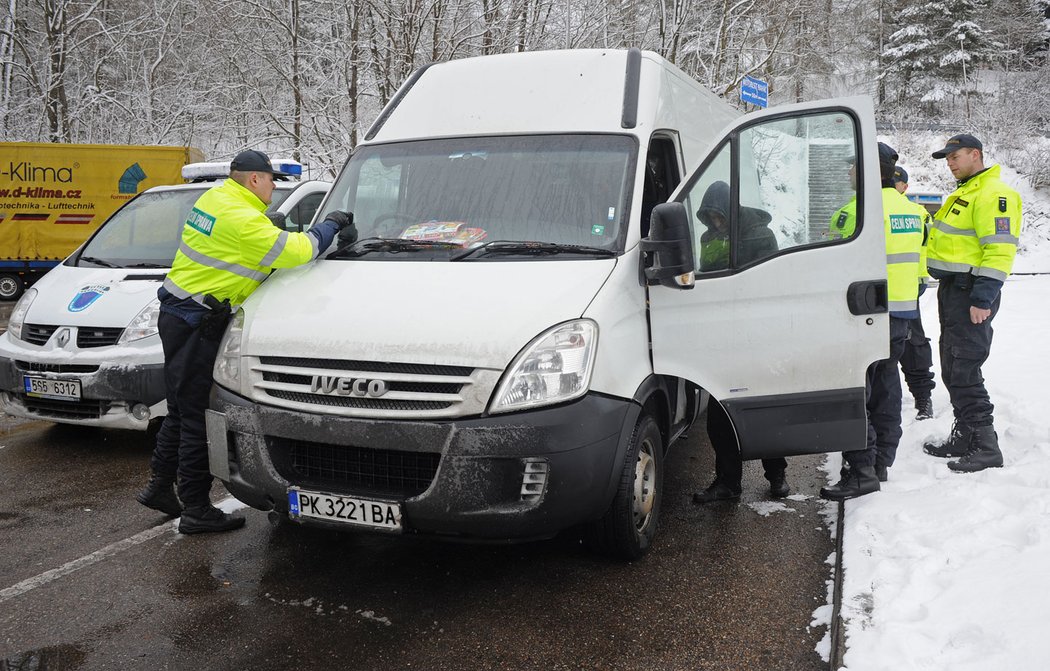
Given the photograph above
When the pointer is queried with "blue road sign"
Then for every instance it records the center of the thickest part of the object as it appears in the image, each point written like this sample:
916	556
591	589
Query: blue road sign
754	91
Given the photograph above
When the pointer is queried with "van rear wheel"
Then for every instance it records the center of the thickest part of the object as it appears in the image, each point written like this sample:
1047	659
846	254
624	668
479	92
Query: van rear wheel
11	287
628	528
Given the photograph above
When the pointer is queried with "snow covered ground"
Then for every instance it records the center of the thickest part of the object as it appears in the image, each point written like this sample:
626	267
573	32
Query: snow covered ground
952	571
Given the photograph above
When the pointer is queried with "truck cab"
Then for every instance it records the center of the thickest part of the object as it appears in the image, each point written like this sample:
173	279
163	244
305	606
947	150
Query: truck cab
82	345
524	326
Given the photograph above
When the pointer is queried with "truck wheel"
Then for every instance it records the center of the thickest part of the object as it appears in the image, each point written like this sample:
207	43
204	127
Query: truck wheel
628	528
11	287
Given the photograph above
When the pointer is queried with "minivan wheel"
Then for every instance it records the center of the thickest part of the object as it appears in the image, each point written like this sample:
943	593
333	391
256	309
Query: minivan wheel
11	287
628	528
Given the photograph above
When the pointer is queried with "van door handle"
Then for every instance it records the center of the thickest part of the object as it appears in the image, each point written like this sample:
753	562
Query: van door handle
867	298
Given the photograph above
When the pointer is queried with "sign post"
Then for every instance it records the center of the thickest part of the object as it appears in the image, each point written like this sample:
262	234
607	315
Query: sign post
754	91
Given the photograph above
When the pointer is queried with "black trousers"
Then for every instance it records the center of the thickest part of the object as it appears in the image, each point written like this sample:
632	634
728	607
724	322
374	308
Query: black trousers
917	361
729	468
182	443
964	349
882	391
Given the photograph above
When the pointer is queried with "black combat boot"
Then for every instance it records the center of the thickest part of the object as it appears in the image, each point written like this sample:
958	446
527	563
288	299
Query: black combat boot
923	408
861	480
882	473
718	491
207	518
957	444
984	452
778	486
159	494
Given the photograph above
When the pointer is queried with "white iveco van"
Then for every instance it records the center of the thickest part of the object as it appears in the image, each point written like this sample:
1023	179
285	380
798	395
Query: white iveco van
81	346
523	328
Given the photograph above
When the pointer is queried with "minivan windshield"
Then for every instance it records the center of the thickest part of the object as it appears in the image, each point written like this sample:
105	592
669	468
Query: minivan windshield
555	193
145	233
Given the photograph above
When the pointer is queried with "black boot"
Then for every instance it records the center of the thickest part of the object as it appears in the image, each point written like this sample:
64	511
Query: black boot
882	473
159	494
861	480
778	486
204	519
957	444
984	452
924	408
718	491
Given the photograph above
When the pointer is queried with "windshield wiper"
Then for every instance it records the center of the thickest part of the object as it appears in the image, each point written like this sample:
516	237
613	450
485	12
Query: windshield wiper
392	245
531	248
99	262
147	265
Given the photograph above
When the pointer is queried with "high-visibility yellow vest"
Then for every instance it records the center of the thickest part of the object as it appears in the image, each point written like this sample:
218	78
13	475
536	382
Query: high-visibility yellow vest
229	247
904	236
844	221
977	229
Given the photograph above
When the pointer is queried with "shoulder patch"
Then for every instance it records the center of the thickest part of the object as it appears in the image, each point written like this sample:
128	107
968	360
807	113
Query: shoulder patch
1002	224
1002	204
200	221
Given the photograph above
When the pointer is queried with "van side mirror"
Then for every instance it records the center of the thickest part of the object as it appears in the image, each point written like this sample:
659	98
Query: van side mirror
668	254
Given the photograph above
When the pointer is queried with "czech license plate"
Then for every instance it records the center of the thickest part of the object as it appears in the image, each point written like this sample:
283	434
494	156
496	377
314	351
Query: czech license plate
42	387
361	512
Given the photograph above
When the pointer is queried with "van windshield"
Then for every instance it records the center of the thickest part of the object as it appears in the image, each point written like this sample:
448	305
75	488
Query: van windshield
146	232
561	190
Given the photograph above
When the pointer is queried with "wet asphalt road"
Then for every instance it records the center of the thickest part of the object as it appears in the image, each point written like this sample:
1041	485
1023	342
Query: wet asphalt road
91	580
724	588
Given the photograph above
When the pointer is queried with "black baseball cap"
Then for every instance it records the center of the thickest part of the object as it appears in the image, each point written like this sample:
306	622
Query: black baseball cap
900	175
251	160
958	142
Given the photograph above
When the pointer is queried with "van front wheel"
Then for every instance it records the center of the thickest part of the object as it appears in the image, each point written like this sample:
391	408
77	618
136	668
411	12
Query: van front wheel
628	528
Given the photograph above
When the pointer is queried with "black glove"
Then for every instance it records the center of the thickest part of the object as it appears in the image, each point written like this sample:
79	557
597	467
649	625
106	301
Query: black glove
347	236
340	219
213	325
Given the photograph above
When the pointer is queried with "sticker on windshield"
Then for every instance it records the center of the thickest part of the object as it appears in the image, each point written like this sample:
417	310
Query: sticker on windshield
597	229
86	296
612	213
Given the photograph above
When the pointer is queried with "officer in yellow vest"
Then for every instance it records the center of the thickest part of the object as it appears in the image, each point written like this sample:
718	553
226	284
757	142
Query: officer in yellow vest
228	248
844	220
971	252
917	359
904	238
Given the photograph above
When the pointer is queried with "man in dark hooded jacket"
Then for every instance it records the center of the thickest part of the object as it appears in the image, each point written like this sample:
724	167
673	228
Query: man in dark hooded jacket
756	241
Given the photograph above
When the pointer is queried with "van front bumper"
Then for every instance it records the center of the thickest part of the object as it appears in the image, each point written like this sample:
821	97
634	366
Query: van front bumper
518	476
111	385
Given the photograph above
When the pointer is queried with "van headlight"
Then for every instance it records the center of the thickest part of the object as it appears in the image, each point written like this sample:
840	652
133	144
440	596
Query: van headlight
19	312
554	368
227	371
143	325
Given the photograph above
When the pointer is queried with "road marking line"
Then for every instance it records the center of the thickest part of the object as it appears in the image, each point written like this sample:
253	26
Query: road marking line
229	504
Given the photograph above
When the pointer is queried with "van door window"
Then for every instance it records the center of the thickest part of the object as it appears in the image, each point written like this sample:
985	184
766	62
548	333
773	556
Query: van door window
661	177
303	213
792	185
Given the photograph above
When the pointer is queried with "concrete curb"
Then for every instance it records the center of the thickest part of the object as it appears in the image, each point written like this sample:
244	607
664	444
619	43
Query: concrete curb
838	627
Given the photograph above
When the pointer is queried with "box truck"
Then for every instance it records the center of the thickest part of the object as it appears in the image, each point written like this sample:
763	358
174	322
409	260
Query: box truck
53	196
523	328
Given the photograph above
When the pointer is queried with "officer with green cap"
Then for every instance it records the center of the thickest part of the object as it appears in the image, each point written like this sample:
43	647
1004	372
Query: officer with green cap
971	252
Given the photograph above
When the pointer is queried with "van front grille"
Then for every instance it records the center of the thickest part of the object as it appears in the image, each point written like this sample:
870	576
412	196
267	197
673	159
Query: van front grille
346	469
93	336
37	334
82	409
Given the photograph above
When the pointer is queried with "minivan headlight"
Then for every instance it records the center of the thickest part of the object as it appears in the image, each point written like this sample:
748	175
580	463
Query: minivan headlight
554	368
227	370
19	312
143	325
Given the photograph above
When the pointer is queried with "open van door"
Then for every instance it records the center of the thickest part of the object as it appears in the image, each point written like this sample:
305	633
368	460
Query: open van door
778	310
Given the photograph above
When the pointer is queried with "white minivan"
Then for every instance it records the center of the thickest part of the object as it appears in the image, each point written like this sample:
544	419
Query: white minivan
81	345
523	327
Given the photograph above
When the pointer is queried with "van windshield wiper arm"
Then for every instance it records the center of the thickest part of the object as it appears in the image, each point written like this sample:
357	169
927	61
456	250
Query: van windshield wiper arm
392	245
147	265
98	262
532	248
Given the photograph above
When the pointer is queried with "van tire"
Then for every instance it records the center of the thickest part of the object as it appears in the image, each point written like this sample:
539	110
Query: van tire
11	287
628	528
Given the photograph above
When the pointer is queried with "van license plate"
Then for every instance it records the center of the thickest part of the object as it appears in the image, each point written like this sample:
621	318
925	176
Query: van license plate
42	387
360	512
